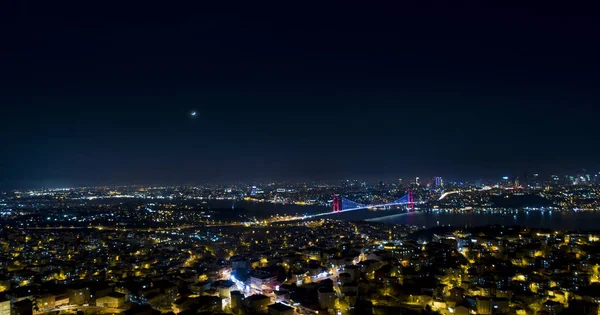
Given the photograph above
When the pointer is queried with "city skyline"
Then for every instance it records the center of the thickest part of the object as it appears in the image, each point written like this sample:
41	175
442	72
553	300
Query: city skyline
581	176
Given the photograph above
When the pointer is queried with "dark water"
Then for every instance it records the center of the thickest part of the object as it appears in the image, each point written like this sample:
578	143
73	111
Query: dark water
559	220
266	209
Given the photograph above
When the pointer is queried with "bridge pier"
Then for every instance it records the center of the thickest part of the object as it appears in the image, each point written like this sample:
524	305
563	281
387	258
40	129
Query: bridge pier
411	200
336	203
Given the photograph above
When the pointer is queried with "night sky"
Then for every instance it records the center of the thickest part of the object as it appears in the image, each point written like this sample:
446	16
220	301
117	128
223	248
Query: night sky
103	93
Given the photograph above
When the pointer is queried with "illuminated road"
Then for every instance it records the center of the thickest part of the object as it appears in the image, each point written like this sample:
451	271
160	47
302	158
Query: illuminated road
361	208
444	195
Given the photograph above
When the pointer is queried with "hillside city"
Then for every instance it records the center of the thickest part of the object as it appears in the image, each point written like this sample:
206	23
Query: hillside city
169	250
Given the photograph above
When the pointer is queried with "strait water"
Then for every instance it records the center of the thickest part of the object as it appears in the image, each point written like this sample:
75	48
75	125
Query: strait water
558	220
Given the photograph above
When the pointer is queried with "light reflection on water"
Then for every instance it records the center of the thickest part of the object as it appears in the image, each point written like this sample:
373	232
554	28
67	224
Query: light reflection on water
565	220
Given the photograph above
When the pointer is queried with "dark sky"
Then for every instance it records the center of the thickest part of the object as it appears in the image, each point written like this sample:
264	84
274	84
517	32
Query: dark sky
95	92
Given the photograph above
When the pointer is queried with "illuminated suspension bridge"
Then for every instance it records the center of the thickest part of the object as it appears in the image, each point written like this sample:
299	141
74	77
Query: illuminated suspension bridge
340	204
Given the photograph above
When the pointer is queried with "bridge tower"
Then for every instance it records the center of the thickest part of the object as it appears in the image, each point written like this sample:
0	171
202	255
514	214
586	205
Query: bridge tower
336	203
411	201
